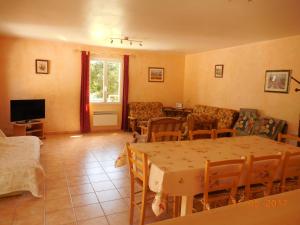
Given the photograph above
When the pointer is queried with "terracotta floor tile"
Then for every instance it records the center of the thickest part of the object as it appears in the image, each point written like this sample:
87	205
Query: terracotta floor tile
33	220
98	177
88	212
119	218
103	186
94	171
125	182
108	195
60	217
124	191
58	204
117	175
57	183
57	193
29	209
95	221
115	206
74	181
81	189
92	165
85	199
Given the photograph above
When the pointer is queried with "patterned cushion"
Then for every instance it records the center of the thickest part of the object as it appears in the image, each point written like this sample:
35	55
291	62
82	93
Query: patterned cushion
225	117
245	123
269	127
145	110
201	122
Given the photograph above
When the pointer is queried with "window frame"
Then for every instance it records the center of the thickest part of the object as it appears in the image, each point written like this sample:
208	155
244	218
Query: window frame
105	80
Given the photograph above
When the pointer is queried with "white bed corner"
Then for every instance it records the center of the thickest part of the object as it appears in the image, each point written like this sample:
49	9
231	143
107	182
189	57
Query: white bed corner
20	168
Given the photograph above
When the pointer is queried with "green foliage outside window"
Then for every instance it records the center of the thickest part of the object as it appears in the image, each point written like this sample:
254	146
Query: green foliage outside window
105	78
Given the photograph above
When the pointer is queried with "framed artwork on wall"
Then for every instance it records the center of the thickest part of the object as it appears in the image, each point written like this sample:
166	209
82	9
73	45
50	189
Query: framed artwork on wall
219	69
41	66
277	81
156	74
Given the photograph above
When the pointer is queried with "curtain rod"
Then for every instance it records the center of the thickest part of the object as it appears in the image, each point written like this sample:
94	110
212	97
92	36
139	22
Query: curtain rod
105	52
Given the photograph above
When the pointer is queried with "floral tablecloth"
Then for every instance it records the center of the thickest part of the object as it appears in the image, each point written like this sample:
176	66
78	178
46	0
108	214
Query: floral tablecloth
177	168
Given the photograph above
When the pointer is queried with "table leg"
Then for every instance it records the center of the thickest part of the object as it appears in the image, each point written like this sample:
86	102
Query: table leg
186	205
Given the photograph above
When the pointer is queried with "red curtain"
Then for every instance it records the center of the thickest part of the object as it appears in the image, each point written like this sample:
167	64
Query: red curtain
85	93
125	93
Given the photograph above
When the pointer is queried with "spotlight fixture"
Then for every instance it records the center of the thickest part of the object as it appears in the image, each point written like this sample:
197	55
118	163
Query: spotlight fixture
126	40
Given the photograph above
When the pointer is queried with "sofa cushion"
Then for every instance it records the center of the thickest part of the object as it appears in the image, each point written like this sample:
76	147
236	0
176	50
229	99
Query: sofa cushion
269	127
226	118
201	122
145	110
245	123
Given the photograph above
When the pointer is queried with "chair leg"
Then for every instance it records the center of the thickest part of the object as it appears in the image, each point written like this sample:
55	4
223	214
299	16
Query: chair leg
131	211
144	199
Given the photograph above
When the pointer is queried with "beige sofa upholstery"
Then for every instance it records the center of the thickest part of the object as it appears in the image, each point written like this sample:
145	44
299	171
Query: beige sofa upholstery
209	117
140	112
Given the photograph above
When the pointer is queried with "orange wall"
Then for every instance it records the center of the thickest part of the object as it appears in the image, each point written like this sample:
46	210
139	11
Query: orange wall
61	88
243	83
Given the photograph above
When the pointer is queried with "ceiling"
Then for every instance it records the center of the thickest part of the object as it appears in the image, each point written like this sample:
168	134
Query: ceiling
183	26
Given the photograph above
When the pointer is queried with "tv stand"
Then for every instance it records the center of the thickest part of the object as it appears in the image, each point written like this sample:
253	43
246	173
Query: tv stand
29	128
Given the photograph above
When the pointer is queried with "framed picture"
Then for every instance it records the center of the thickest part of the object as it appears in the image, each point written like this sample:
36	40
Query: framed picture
156	74
277	81
219	71
41	66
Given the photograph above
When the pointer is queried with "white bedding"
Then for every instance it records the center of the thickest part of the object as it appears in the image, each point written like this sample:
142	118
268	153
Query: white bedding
20	168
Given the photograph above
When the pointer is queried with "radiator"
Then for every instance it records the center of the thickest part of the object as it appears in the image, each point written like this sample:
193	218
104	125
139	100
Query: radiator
105	118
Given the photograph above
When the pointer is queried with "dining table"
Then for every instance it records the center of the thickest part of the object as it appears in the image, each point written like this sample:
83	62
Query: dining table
177	167
279	209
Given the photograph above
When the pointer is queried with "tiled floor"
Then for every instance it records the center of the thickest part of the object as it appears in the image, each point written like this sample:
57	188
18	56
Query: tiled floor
82	186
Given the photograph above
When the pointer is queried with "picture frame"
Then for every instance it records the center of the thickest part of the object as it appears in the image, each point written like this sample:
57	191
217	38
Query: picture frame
277	81
155	74
219	70
41	66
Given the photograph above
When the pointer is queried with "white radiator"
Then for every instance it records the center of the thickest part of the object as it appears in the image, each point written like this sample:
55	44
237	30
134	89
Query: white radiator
105	118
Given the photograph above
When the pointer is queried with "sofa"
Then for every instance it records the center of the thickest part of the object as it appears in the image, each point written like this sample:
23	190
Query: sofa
209	117
20	168
140	112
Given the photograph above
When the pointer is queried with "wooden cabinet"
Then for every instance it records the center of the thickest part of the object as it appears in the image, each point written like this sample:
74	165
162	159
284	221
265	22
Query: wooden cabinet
29	129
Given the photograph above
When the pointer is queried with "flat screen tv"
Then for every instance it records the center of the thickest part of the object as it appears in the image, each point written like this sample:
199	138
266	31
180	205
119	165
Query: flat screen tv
26	110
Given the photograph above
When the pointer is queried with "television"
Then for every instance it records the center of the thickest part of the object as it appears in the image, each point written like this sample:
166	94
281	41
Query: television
27	110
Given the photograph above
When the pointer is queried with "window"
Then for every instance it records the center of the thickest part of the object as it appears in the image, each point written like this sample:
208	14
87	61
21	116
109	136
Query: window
105	81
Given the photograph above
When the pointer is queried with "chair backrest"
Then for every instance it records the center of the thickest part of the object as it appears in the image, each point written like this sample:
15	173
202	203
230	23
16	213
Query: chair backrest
138	165
282	136
291	169
194	134
222	175
164	124
162	135
232	132
262	170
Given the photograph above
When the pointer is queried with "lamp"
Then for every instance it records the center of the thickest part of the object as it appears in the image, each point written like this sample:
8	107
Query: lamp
127	40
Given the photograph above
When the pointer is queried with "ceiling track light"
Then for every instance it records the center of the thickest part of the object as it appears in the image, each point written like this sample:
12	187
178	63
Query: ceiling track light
126	40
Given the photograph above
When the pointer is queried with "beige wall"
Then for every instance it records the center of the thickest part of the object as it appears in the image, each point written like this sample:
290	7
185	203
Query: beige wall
61	88
244	74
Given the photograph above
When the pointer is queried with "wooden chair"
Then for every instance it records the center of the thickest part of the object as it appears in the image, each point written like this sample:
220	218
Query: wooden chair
195	133
139	173
161	124
232	132
290	177
166	135
221	181
261	174
288	136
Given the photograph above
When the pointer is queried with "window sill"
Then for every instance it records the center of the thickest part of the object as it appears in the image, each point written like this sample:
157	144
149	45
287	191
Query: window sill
105	103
